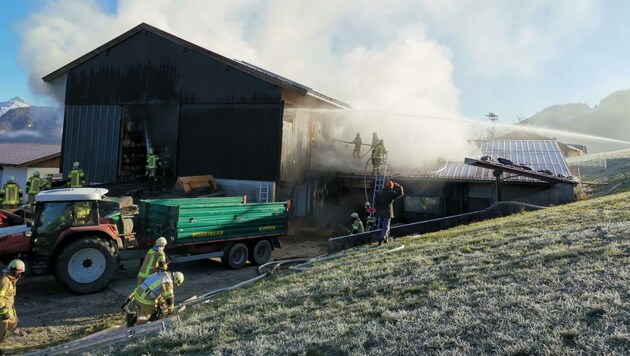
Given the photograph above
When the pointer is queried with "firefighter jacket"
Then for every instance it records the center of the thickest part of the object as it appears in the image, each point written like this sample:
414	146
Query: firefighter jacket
35	185
385	199
357	226
11	194
152	161
155	290
7	297
154	261
76	179
379	151
357	143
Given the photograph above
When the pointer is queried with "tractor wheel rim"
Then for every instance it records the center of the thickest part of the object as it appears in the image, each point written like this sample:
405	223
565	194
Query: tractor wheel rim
87	265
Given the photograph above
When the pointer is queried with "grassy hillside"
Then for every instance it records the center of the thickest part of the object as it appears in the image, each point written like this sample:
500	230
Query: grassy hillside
552	281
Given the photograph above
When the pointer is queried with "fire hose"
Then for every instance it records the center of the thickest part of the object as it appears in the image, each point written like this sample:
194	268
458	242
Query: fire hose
121	334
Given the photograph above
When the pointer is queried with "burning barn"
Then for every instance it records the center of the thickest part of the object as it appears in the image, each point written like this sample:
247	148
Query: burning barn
201	112
451	188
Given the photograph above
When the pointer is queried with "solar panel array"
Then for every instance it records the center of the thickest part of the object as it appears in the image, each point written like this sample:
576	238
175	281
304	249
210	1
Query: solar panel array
537	154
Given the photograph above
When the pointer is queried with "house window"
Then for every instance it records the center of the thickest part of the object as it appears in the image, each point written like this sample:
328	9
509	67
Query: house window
417	204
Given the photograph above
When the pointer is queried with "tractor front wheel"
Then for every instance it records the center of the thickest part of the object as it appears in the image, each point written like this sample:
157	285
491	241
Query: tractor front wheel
86	265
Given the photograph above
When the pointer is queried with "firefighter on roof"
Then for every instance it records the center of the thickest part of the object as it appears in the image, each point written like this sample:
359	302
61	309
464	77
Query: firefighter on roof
34	185
357	146
154	261
76	178
11	194
153	298
8	317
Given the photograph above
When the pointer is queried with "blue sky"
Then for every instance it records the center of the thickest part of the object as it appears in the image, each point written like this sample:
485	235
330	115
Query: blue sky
444	58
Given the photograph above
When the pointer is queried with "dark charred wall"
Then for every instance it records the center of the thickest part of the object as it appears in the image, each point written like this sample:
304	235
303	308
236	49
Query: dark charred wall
92	137
147	68
230	141
220	120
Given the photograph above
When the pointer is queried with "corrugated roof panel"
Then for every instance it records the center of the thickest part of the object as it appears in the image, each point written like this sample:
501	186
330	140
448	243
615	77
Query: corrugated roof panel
539	154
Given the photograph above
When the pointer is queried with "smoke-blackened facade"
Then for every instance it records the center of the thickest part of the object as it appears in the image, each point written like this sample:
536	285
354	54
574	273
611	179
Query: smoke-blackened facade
204	113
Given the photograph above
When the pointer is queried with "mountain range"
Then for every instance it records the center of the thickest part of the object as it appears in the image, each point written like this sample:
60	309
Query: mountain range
22	122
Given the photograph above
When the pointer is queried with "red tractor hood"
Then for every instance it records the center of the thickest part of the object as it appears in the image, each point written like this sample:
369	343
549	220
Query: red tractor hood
13	240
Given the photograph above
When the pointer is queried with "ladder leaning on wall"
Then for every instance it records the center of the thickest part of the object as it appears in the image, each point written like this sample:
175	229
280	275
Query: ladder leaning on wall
379	183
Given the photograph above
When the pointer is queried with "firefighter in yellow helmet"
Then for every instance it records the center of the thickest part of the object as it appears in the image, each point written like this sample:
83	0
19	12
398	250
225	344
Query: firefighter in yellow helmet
153	298
154	261
34	185
8	317
76	178
11	194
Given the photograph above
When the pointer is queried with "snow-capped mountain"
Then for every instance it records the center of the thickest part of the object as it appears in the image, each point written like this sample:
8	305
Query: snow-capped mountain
14	103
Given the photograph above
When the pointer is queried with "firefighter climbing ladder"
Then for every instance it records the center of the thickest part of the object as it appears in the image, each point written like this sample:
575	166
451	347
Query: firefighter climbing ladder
379	183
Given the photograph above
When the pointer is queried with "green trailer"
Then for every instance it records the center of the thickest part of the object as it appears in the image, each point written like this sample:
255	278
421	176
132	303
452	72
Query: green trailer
226	227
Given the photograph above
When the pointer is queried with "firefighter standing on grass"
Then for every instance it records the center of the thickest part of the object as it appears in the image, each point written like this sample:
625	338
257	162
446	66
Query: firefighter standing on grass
76	178
154	261
152	298
34	185
8	317
11	194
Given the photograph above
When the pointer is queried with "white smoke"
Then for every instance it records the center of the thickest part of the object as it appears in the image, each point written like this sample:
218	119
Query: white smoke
380	58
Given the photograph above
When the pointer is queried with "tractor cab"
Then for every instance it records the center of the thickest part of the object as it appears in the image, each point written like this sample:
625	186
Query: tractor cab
62	212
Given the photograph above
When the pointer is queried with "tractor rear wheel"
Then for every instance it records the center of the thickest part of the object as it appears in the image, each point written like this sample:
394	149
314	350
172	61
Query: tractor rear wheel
86	265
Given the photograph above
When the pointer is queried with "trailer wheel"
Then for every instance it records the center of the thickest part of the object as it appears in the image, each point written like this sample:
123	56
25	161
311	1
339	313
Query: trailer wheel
261	253
236	256
86	265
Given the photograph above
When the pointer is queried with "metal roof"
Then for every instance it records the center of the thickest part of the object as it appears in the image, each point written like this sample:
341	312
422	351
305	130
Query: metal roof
243	66
538	154
24	154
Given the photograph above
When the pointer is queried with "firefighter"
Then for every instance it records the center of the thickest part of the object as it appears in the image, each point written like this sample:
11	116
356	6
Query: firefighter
153	298
374	140
357	224
76	178
9	319
47	183
378	154
154	261
357	146
370	219
11	194
384	207
34	185
152	163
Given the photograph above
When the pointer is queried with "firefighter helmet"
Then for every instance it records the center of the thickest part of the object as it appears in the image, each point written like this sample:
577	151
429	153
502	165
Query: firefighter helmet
75	165
380	142
11	179
36	174
178	278
389	184
354	216
367	205
17	265
150	150
161	242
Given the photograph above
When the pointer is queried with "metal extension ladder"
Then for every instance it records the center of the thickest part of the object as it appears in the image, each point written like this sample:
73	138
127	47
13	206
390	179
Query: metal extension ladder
379	183
263	192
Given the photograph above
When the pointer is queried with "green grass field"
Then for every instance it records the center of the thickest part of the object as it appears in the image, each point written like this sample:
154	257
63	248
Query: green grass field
553	281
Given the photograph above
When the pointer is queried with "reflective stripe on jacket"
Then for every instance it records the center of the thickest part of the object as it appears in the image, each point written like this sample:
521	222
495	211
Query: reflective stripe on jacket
152	262
157	286
34	185
152	161
7	295
12	192
77	178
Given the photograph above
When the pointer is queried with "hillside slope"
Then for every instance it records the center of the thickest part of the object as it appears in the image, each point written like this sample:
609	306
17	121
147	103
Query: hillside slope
551	281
